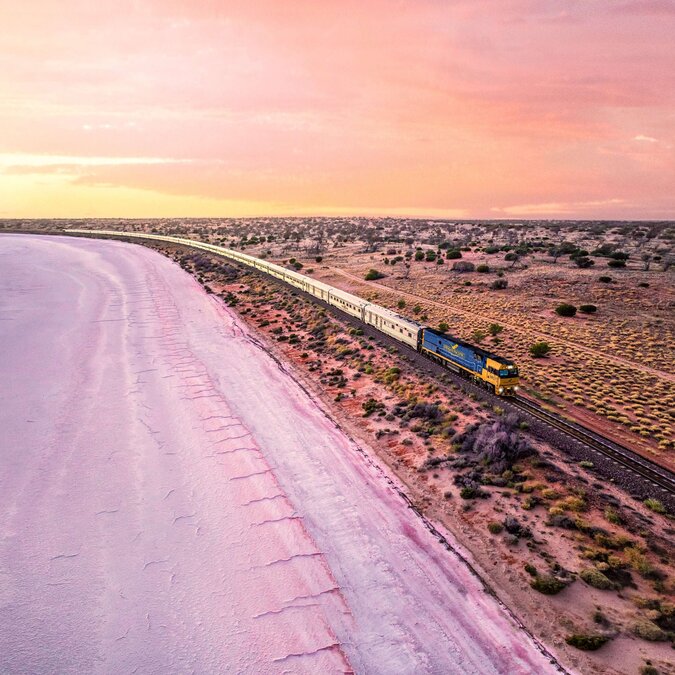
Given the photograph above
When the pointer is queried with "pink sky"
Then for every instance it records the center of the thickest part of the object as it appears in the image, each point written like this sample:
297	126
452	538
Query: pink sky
466	108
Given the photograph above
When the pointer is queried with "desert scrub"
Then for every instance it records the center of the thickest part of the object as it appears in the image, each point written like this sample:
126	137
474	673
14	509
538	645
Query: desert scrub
655	505
531	569
640	563
550	493
647	630
547	584
573	503
588	309
594	577
494	527
586	642
530	502
471	492
565	309
539	349
371	406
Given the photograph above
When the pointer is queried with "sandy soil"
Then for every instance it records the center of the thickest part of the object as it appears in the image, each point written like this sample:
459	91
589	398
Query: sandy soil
175	502
346	370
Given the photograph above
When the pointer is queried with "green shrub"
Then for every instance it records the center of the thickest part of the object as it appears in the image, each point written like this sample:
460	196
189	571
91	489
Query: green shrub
594	577
649	631
454	254
483	268
547	584
613	516
584	262
655	505
588	643
616	264
371	406
443	327
565	309
639	561
531	570
539	349
373	274
605	280
588	309
495	527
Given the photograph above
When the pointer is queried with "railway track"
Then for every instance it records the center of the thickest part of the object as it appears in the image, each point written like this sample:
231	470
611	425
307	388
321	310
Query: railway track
654	474
620	454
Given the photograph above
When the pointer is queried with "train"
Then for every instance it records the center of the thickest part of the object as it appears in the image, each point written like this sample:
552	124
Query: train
496	373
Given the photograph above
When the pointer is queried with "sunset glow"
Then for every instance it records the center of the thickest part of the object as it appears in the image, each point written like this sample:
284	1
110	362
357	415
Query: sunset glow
458	109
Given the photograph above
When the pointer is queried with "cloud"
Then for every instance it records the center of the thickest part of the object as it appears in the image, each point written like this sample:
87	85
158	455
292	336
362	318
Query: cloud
27	161
659	7
383	104
556	208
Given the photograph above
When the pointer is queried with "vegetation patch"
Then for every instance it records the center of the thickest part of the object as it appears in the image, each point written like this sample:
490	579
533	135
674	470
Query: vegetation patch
586	642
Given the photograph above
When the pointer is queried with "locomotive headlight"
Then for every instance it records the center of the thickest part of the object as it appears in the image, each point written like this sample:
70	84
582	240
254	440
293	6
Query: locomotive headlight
501	389
516	388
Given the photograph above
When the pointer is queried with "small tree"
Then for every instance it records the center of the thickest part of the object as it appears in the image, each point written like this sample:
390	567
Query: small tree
478	336
588	309
565	309
584	262
495	329
443	327
373	275
401	303
616	264
539	349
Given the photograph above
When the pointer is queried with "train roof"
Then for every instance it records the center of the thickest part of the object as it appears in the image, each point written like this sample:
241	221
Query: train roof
484	352
348	297
386	312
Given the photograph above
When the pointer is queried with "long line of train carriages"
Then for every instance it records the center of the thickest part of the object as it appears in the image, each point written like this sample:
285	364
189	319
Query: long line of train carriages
498	374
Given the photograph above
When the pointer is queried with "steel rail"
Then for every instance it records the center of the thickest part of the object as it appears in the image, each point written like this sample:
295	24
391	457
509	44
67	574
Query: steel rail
659	476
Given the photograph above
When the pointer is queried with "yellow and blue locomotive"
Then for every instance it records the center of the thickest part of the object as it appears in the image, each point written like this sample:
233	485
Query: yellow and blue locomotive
498	374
